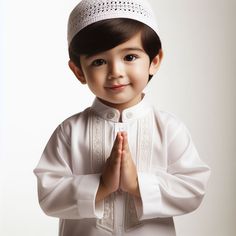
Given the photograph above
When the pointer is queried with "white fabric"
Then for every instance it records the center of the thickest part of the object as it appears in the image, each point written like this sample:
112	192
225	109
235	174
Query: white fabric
172	178
91	11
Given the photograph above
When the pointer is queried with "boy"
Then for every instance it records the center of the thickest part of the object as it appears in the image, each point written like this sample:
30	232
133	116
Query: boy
120	167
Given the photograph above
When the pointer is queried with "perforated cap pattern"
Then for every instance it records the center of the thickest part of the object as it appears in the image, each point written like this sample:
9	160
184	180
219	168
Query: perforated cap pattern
91	11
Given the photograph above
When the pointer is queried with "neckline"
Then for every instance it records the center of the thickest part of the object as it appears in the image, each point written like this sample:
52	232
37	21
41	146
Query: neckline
127	115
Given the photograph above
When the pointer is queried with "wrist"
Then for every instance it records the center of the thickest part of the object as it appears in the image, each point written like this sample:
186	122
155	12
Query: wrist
132	189
102	192
135	189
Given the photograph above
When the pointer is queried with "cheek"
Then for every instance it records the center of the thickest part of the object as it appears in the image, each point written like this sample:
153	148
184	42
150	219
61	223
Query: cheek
94	77
141	72
95	82
142	67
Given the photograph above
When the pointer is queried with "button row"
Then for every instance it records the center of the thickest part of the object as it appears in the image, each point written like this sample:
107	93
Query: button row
111	115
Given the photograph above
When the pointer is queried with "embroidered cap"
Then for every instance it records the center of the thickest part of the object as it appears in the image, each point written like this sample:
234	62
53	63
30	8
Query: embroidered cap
91	11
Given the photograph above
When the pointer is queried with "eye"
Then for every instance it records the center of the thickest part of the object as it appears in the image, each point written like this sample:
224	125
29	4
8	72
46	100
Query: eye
98	62
130	57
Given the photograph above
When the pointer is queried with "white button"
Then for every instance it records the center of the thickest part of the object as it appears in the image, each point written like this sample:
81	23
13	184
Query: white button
110	115
129	115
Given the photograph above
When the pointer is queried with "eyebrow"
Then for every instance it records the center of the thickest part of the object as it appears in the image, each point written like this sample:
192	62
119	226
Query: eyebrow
124	49
133	49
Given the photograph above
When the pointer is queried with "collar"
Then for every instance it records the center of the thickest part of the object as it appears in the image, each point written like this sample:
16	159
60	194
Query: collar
127	115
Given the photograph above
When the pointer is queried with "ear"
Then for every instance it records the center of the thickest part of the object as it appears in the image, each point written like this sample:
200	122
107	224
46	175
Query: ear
77	72
156	63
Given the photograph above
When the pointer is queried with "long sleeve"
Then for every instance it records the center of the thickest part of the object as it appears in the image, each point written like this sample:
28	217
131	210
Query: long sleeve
179	188
61	193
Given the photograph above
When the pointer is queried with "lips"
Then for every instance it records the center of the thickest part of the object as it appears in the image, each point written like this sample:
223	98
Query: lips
117	86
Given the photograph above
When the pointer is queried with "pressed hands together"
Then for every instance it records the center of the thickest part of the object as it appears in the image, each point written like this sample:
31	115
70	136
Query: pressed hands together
119	172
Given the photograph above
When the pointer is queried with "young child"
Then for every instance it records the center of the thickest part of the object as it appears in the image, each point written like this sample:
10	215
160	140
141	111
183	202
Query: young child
120	167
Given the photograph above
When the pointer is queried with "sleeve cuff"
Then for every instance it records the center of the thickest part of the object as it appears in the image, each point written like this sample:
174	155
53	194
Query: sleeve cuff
87	187
148	204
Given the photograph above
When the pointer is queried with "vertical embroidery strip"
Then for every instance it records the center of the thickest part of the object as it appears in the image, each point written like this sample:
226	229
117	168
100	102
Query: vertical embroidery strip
97	157
131	218
144	143
143	162
107	222
97	152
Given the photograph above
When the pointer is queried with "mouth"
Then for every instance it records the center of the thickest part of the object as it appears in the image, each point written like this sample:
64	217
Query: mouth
117	87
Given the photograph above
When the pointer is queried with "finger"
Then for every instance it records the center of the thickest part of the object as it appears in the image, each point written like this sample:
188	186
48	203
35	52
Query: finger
124	159
116	144
117	150
120	142
125	142
125	149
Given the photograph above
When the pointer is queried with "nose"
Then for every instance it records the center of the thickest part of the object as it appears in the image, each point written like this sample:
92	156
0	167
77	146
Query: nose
116	70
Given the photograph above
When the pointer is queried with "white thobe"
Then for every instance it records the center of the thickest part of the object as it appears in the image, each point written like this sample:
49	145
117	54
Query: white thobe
172	178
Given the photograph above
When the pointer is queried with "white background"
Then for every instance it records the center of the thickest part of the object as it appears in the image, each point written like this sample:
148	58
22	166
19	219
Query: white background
196	81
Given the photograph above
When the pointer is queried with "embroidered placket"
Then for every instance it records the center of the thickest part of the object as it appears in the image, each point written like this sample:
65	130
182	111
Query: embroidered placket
143	161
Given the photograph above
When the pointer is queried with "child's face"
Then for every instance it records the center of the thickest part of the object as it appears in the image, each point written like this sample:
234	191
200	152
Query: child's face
119	75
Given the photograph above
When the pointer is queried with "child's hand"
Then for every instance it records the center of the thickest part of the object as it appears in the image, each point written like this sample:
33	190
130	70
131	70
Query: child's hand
128	172
119	171
110	179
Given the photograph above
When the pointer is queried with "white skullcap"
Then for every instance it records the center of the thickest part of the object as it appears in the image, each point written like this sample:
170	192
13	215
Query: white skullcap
91	11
